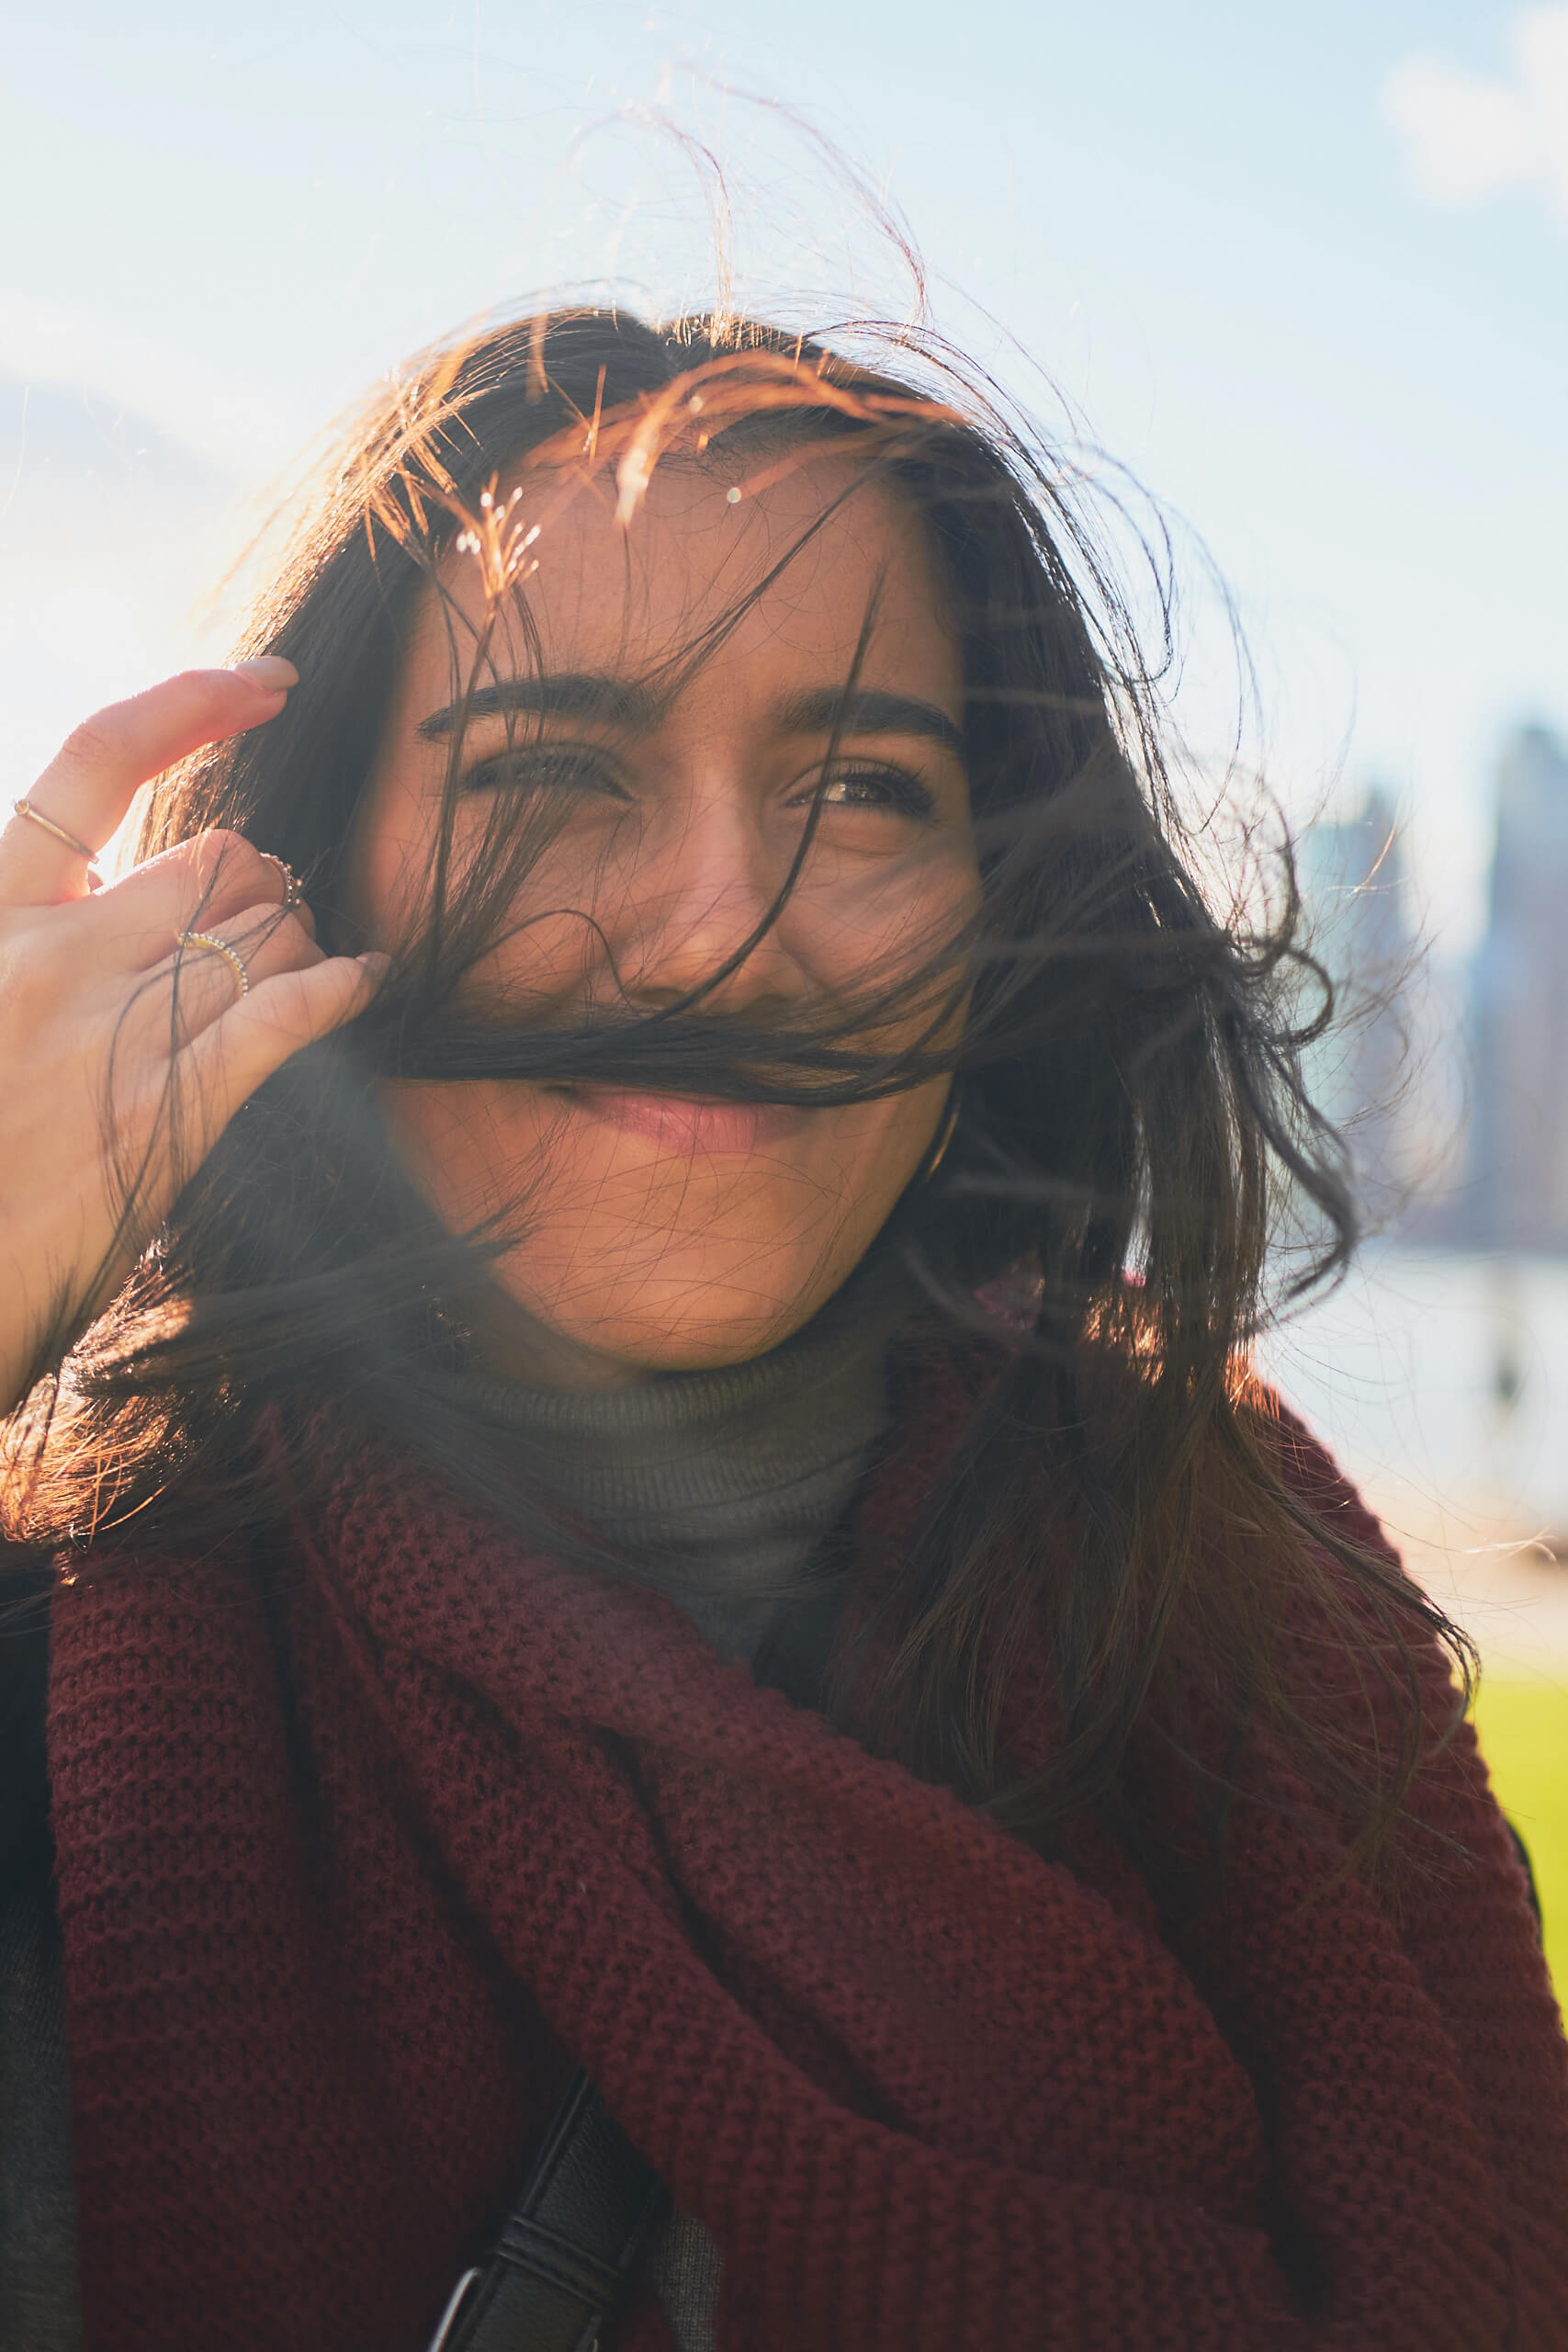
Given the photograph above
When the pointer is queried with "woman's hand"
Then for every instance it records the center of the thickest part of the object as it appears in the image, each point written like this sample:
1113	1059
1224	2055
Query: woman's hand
91	1032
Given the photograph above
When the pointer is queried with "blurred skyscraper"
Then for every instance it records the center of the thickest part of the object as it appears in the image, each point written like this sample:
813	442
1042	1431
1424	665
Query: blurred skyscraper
1516	1196
1355	888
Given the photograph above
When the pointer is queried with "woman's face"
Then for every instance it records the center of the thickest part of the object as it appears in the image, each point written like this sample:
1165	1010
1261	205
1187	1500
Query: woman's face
660	1234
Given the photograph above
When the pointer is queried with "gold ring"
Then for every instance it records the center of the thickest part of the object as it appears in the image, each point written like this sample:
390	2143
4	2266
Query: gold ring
218	948
24	808
292	893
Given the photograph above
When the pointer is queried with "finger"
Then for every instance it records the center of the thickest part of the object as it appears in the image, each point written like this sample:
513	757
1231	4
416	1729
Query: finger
216	964
231	1057
200	882
87	788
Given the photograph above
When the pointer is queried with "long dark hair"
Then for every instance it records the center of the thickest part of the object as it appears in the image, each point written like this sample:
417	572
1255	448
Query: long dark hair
1132	1130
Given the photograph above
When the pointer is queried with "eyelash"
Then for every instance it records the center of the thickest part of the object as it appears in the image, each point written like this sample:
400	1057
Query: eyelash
906	793
567	767
533	769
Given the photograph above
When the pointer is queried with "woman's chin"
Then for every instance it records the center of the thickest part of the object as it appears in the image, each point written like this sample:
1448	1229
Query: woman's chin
640	1252
696	1319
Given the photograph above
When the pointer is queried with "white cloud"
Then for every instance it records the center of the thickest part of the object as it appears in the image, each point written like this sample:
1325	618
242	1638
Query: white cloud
1467	136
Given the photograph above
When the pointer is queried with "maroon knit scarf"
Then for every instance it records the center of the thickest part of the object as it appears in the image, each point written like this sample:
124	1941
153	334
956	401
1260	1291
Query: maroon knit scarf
348	1879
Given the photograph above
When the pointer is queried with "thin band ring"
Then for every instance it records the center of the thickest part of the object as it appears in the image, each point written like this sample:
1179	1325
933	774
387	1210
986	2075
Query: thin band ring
24	808
292	894
220	948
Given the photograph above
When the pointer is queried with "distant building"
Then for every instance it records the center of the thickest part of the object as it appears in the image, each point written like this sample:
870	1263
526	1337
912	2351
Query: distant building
1516	1196
1355	889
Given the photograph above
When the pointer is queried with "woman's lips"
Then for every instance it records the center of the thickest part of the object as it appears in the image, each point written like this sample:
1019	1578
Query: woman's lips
683	1124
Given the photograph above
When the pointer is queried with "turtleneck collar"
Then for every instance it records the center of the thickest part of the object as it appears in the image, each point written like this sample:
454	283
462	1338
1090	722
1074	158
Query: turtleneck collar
728	1480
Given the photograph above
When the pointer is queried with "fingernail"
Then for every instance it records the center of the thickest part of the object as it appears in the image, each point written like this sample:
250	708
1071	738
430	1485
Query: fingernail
268	670
375	963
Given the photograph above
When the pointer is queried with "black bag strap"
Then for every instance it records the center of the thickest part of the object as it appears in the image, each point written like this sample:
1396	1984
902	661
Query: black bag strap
559	2262
1523	1852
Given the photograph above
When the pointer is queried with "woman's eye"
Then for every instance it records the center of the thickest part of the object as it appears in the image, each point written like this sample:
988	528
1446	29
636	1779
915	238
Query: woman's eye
873	788
544	768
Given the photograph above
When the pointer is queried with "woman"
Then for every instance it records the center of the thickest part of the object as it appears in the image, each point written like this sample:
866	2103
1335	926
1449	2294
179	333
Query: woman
657	1473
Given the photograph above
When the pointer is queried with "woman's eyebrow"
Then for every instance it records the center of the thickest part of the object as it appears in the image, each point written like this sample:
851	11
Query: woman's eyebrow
621	702
561	694
826	710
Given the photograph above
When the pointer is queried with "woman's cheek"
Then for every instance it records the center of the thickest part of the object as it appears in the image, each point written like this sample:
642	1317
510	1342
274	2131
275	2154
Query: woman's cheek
467	1147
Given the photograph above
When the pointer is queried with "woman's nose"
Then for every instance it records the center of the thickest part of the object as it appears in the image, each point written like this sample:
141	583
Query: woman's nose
697	901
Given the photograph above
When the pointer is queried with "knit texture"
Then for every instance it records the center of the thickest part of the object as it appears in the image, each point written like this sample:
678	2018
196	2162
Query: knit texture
350	1876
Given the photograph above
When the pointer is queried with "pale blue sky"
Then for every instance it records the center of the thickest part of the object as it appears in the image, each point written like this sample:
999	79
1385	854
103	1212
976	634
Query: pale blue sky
1303	271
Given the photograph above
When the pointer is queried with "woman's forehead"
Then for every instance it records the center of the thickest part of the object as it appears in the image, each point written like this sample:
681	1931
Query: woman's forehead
794	567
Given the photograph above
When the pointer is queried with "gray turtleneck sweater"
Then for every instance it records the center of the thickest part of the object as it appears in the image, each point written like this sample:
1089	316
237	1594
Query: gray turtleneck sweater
726	1485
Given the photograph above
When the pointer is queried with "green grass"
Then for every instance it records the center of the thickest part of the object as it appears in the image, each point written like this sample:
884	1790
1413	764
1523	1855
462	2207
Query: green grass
1523	1730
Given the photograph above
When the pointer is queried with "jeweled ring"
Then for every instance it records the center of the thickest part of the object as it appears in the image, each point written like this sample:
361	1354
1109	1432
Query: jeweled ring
220	948
292	893
24	808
